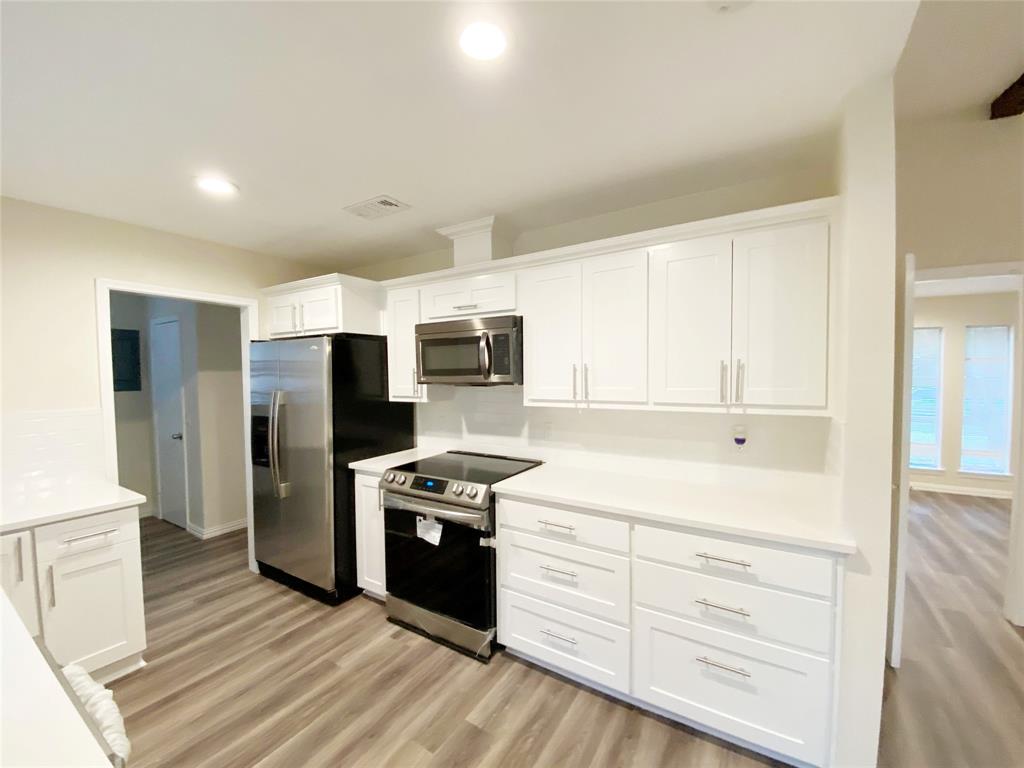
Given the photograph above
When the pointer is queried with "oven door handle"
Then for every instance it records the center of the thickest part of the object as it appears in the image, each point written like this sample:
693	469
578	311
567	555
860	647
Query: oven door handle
405	504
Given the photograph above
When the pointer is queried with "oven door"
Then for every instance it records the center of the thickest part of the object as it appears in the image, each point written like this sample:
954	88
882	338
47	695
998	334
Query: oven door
452	574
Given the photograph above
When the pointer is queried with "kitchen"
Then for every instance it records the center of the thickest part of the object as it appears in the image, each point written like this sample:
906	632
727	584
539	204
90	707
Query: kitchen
607	484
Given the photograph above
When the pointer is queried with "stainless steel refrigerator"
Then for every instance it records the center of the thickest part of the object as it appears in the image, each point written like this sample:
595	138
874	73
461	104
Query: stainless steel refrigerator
318	403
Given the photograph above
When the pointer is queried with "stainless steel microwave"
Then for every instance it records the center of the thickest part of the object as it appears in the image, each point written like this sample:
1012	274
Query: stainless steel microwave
476	351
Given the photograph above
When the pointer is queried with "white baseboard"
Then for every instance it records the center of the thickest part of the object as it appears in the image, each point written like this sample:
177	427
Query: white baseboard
961	490
216	530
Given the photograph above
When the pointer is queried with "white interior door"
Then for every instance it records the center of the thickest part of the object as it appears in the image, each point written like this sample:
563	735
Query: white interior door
169	420
615	328
901	457
691	321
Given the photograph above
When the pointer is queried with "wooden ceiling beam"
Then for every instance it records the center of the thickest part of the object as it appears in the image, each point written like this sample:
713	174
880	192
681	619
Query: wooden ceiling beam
1010	102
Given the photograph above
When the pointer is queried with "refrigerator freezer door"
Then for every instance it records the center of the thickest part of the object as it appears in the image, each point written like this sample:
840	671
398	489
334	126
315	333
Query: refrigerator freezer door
303	544
266	506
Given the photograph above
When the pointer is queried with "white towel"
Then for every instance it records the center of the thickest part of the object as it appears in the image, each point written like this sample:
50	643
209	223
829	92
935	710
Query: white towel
99	703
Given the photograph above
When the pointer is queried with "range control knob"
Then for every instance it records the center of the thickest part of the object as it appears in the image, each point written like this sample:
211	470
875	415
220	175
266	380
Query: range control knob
471	492
389	477
401	479
457	490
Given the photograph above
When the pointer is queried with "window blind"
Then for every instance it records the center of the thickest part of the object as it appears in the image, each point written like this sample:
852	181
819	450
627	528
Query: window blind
988	370
926	399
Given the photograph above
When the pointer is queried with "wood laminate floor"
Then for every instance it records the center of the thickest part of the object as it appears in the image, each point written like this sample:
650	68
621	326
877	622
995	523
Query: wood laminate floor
244	672
958	697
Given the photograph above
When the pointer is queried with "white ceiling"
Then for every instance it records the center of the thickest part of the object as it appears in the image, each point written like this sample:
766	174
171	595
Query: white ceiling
112	108
960	56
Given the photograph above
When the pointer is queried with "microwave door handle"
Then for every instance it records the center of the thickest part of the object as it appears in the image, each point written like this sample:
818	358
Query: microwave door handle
485	355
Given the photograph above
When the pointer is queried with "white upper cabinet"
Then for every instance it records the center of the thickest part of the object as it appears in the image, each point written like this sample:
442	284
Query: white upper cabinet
615	328
780	316
328	304
691	321
403	312
485	294
550	299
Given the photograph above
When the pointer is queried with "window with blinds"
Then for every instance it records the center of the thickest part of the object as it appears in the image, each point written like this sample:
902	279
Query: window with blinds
988	374
926	399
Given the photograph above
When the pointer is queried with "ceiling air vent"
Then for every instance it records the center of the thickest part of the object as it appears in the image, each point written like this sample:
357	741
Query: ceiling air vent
377	207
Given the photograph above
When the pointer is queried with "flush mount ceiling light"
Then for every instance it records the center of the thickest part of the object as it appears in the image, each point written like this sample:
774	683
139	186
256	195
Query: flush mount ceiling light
483	41
217	186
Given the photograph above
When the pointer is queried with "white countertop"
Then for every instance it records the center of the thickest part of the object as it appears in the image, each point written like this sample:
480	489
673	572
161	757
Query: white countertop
39	724
380	464
779	510
30	502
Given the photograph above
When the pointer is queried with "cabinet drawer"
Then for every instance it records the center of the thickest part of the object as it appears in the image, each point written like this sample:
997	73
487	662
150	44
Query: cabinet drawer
582	579
564	525
86	533
590	648
769	696
472	296
763	614
748	563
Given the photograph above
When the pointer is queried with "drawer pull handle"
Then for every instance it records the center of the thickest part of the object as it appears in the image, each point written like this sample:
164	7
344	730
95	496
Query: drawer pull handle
556	636
72	539
725	667
729	560
709	604
53	589
552	524
550	569
465	306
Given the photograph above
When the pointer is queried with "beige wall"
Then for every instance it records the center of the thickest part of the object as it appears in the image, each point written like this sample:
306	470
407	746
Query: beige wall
51	259
960	188
134	410
953	314
803	183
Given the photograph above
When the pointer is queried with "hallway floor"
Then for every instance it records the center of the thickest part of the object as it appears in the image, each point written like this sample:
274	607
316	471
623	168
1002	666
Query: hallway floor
958	697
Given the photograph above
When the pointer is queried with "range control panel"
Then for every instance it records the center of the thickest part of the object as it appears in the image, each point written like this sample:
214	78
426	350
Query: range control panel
438	488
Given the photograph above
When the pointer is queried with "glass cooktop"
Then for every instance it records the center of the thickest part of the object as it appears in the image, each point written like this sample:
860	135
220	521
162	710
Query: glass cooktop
466	467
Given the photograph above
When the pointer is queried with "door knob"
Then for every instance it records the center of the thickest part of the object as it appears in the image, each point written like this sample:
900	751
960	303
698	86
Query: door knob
176	436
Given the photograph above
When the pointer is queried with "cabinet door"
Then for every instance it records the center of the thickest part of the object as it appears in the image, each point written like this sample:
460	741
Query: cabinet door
471	296
370	537
780	316
319	310
282	316
550	298
18	577
402	315
91	605
615	328
691	321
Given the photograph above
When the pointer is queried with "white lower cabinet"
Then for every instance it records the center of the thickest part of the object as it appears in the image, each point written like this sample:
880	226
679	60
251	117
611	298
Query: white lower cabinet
370	570
735	636
769	696
92	609
18	577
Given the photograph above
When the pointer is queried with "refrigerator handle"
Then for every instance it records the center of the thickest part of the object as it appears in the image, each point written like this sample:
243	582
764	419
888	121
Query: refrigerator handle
280	488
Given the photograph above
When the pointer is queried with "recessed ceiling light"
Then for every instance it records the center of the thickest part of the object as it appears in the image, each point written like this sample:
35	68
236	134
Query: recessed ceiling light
481	40
217	186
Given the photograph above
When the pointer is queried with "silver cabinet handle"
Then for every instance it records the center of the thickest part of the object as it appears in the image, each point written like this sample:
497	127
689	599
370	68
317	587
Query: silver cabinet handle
718	606
18	547
553	524
556	636
53	588
550	569
176	436
465	306
739	380
302	318
729	560
574	381
72	539
723	381
415	384
586	381
719	665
